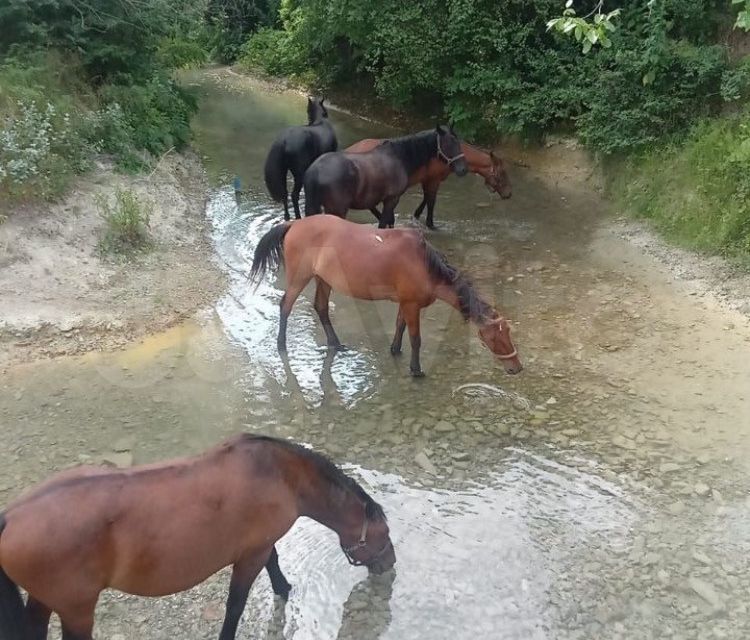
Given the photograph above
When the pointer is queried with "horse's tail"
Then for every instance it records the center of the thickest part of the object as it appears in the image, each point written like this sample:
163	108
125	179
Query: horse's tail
275	171
12	621
313	197
269	253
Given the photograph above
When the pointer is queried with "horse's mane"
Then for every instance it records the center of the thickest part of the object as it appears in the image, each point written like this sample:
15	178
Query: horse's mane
470	303
328	470
414	150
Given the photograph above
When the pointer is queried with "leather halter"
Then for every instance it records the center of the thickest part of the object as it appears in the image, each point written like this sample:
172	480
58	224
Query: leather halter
443	156
361	544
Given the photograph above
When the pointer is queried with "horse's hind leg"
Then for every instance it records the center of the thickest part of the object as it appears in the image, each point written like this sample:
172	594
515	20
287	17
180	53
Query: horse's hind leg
37	619
78	625
398	337
322	296
375	212
279	582
293	289
244	573
298	182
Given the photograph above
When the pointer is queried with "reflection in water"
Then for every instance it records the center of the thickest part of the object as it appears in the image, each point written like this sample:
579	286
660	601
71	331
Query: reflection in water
367	612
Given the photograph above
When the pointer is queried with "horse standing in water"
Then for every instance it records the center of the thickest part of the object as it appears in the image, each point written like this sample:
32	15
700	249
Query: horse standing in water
295	149
393	264
487	165
337	182
160	529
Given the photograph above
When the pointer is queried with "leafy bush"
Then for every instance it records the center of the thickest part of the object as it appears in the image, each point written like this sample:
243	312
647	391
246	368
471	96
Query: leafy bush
126	222
493	68
696	192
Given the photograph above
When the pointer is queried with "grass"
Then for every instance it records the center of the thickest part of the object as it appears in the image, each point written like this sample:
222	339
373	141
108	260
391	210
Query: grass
695	192
126	224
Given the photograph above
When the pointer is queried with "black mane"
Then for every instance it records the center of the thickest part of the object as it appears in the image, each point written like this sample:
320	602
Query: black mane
470	303
328	470
414	150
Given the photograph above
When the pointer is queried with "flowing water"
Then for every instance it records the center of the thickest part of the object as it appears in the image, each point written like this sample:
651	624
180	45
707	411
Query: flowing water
602	493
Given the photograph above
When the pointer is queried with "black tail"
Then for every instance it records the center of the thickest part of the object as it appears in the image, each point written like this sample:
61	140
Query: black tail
275	171
313	200
269	253
12	625
471	304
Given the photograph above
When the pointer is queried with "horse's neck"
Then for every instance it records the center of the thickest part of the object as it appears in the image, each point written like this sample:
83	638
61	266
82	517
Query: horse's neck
426	151
478	161
330	505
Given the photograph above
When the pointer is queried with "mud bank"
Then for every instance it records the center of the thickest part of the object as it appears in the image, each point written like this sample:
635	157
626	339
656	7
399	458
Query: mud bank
60	295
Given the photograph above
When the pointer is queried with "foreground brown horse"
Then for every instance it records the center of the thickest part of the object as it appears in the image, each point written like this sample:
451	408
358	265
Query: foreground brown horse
163	528
369	264
487	165
337	182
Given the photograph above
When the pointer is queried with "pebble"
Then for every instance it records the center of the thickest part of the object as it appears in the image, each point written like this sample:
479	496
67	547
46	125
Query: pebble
126	443
423	461
707	592
444	426
120	460
669	467
624	443
702	489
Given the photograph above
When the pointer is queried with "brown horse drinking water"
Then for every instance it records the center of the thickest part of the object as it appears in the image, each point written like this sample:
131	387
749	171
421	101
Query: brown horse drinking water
163	528
369	264
337	182
487	165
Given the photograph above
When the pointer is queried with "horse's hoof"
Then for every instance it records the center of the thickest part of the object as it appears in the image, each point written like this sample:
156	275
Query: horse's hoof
338	347
395	351
416	374
283	591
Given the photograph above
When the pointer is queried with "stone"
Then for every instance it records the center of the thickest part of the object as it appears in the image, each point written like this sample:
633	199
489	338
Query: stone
423	461
669	467
624	443
676	508
707	592
126	443
443	426
120	460
702	489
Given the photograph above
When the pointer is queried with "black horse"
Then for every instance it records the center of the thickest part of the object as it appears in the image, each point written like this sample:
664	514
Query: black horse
337	182
294	150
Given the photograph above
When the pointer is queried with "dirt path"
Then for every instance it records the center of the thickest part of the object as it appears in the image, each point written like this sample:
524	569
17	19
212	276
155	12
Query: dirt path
58	295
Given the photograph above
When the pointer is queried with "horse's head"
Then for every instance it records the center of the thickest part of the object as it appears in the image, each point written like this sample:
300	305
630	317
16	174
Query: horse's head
495	334
316	110
369	544
449	150
496	177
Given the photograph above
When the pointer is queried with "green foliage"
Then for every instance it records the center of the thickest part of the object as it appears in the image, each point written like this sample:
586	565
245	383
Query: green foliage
586	32
743	17
696	192
735	83
80	78
232	21
494	68
126	224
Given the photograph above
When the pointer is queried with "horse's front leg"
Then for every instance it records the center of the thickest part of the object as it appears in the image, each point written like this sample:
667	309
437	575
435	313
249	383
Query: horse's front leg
418	211
388	217
279	582
375	212
37	619
244	573
411	316
430	197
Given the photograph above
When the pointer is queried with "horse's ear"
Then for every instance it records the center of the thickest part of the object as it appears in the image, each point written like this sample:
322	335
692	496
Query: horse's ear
493	157
309	100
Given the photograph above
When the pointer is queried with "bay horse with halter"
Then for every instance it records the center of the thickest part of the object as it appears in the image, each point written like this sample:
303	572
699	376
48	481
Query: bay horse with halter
487	165
295	149
159	529
369	264
337	182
